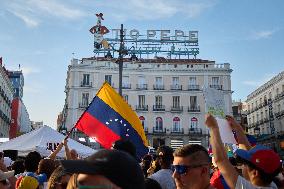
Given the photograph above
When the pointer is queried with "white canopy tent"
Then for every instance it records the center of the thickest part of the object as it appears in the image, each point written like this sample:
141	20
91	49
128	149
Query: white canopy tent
44	140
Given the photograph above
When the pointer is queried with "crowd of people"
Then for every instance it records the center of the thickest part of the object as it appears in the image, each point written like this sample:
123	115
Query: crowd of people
188	167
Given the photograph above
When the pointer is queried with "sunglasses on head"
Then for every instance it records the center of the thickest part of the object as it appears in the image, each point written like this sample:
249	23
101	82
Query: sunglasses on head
183	169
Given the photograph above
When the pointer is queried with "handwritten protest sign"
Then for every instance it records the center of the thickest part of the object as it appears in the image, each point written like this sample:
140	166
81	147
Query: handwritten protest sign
215	105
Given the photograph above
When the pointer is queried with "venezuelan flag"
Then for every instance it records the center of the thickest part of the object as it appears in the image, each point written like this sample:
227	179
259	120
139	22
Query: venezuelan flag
109	118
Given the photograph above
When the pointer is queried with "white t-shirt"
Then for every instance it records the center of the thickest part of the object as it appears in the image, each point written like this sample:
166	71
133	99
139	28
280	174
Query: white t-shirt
164	178
242	183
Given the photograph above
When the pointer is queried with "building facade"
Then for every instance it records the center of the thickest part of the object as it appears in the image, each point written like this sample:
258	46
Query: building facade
6	97
165	93
266	113
20	117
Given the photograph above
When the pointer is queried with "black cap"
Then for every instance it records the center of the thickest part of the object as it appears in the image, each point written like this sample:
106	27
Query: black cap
119	167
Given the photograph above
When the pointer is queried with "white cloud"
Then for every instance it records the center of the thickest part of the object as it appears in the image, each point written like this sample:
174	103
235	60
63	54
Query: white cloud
152	10
262	34
29	21
29	70
57	9
31	12
259	82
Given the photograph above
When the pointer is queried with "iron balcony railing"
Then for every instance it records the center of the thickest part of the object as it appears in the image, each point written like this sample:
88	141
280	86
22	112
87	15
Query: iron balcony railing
195	131
159	108
141	86
159	130
86	84
176	87
193	87
176	108
126	86
141	107
218	87
158	87
177	131
146	129
193	109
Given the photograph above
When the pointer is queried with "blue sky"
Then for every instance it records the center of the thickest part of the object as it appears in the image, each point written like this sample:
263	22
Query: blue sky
41	36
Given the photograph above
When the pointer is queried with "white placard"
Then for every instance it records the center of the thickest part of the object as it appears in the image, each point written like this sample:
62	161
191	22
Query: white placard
226	133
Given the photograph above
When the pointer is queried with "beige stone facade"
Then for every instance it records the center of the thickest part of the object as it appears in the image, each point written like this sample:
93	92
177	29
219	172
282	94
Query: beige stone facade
166	94
6	97
266	112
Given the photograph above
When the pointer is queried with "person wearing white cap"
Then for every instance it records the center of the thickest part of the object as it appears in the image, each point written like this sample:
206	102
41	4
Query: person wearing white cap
4	182
8	162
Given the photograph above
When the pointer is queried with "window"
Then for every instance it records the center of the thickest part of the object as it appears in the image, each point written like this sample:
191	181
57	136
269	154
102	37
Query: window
158	81
176	124
86	79
277	91
125	82
175	81
176	101
125	97
192	81
85	99
158	101
194	123
159	124
270	95
261	115
215	80
193	102
108	79
141	80
142	119
141	100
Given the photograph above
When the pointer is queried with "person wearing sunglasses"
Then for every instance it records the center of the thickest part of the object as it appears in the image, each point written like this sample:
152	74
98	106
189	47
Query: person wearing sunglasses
191	167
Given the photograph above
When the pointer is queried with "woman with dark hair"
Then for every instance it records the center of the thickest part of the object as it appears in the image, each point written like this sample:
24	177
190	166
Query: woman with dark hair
58	179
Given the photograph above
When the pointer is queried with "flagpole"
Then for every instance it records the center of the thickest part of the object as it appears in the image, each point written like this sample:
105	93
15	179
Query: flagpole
69	133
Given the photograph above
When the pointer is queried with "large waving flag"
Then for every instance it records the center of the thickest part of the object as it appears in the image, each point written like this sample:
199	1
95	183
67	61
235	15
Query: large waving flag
109	118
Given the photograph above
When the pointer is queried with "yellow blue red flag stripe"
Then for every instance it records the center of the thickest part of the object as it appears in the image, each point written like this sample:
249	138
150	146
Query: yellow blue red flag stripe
109	118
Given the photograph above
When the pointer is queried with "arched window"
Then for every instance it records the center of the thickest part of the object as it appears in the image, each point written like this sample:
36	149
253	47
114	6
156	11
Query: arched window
159	124
142	119
193	122
176	124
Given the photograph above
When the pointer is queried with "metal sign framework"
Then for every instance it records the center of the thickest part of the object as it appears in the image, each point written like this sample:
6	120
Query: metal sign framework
153	45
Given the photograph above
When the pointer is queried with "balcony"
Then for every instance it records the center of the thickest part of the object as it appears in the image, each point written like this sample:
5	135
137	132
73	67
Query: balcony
158	87
126	86
218	87
141	86
177	131
176	87
279	96
141	107
86	84
193	109
146	129
159	108
193	87
83	105
159	131
195	131
176	108
279	114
